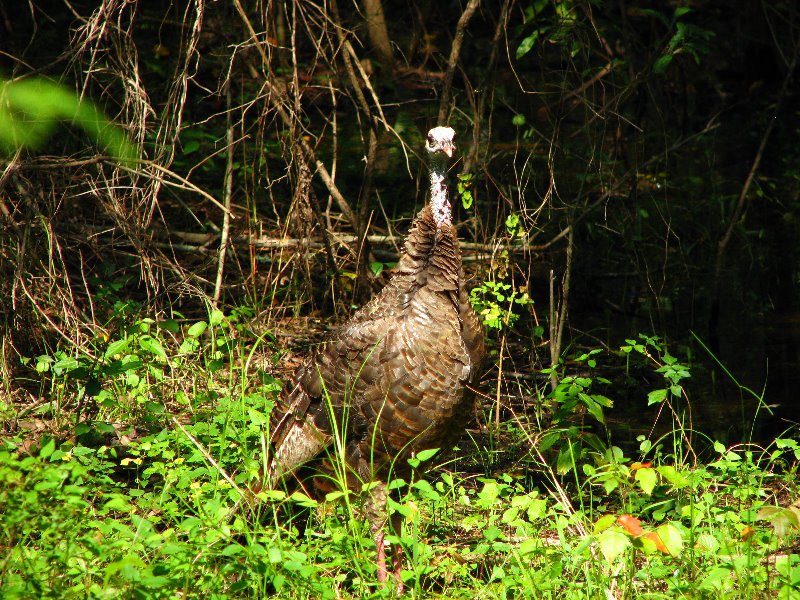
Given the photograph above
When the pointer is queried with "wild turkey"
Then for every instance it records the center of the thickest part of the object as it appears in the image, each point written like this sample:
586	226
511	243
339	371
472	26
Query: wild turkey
394	377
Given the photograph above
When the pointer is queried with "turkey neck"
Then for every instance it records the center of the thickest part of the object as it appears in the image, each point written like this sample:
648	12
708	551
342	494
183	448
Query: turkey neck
431	256
440	201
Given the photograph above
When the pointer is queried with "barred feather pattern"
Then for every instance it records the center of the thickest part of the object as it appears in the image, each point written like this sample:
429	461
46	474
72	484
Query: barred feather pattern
394	379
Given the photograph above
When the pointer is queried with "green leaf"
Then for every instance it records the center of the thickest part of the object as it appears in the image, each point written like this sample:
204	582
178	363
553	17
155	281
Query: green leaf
466	199
376	268
424	455
548	439
612	543
272	495
672	475
604	523
197	329
257	418
526	44
153	346
672	538
48	448
783	520
647	479
170	325
117	347
43	363
528	546
593	407
303	500
716	578
566	460
512	225
603	400
464	182
510	515
489	494
662	63
656	396
331	496
492	533
31	108
65	364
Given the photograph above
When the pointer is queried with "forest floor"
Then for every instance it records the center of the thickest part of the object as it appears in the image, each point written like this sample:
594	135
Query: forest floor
126	477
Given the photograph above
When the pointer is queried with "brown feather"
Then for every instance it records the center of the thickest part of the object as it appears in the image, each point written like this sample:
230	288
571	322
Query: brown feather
398	369
393	380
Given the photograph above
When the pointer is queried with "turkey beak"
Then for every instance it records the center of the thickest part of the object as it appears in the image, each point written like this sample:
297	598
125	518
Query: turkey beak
449	149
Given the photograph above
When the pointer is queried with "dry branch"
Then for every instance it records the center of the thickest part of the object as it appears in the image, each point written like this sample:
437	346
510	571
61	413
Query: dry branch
737	212
452	62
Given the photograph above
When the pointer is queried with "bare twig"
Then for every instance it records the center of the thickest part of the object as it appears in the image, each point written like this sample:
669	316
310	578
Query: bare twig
345	239
499	382
277	97
226	217
740	204
184	183
368	83
557	334
553	333
455	53
485	90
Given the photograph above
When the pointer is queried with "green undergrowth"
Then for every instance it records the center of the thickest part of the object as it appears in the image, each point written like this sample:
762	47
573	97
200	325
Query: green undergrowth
143	498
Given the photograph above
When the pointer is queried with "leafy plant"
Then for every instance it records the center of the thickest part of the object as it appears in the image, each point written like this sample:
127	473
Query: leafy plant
30	109
497	303
464	189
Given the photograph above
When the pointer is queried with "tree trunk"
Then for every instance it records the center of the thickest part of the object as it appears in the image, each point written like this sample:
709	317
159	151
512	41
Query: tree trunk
378	34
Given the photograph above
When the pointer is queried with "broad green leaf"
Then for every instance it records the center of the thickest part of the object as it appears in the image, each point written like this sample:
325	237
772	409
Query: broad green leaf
272	495
376	268
257	418
604	523
528	546
662	63
197	329
717	577
303	500
153	346
526	44
656	396
671	474
612	543
492	533
647	479
672	538
424	455
117	347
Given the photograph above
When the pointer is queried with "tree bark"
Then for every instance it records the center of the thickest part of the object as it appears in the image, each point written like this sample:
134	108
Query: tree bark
379	34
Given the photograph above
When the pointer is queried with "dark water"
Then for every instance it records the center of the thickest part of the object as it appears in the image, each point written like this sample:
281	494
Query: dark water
744	386
763	353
